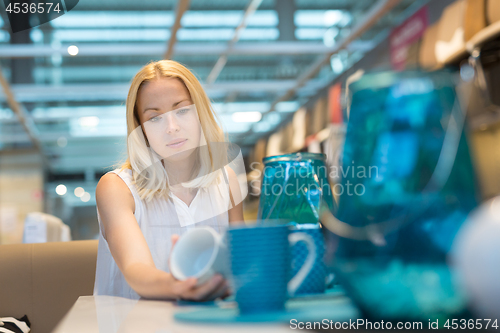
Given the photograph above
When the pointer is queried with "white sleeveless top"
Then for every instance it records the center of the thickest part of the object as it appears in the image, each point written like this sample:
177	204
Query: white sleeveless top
159	219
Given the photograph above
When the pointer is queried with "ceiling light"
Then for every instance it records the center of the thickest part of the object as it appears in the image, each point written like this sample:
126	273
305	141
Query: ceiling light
332	17
79	192
91	121
73	50
85	197
246	117
61	189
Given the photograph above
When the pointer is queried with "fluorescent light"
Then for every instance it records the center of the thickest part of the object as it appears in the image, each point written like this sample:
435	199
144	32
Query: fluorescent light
91	121
163	19
241	106
310	33
107	126
61	189
324	18
228	18
262	107
89	35
246	117
117	35
227	34
73	50
79	192
260	34
105	19
77	111
332	17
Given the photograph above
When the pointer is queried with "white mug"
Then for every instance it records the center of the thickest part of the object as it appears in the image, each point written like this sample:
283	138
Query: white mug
199	253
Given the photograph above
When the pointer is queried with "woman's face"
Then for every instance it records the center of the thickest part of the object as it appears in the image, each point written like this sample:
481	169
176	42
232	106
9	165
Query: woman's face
169	118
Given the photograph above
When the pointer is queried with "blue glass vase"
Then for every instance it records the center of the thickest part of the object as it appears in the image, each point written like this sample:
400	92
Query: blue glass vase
409	160
293	188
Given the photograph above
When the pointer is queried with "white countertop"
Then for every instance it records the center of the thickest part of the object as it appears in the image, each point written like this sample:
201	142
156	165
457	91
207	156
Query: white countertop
108	314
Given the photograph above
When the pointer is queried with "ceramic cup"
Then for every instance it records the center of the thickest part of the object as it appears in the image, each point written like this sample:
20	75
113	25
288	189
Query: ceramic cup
315	281
199	253
260	266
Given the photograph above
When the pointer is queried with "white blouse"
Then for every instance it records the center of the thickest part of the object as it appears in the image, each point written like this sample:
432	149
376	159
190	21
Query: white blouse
159	219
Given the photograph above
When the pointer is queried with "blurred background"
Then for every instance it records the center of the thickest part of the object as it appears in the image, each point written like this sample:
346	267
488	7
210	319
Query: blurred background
276	71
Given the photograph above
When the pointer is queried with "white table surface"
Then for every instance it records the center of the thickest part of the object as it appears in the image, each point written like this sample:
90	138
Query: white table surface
108	314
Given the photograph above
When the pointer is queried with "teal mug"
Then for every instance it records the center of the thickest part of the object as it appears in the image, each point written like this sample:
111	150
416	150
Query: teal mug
315	280
260	266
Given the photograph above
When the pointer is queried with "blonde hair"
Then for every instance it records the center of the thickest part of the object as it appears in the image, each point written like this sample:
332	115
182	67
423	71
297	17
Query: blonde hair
149	175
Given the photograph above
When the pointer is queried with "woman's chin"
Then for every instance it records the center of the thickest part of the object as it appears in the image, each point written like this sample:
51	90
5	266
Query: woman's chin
177	156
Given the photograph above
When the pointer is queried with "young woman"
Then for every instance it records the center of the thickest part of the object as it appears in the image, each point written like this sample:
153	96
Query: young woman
175	178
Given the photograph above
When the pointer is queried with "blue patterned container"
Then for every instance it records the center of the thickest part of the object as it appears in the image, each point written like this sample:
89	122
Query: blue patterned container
293	188
392	239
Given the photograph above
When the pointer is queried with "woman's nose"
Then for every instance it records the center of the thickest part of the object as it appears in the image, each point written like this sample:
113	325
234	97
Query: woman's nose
172	124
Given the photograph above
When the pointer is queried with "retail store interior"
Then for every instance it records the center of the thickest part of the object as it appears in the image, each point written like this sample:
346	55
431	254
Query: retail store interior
280	75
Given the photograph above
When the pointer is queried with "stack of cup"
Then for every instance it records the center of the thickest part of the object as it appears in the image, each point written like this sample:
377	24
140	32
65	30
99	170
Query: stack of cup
260	263
260	258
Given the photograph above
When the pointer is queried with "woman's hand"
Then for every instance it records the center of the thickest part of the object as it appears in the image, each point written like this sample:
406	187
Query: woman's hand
212	289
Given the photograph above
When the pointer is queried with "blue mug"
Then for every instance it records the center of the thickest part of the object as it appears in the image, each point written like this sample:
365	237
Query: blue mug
315	281
260	265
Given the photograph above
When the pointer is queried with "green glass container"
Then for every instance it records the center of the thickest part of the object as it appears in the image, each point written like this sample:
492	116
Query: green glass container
293	188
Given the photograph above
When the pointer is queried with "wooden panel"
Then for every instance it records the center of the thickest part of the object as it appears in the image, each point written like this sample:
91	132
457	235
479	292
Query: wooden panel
427	55
493	11
486	152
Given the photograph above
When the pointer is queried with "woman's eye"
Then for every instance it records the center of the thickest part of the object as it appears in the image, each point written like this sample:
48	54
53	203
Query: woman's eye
154	119
182	111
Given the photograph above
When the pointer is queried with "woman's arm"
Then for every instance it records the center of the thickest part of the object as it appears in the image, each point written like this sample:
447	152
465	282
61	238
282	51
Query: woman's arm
131	252
236	212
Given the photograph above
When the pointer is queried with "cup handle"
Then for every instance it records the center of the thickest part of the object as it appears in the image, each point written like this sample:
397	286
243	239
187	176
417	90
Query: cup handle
297	280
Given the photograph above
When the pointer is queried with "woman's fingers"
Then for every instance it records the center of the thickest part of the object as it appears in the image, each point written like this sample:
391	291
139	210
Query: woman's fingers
174	238
184	288
228	293
221	291
202	292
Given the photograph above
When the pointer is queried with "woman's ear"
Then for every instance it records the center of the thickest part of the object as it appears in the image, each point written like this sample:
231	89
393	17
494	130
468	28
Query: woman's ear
138	121
142	127
145	136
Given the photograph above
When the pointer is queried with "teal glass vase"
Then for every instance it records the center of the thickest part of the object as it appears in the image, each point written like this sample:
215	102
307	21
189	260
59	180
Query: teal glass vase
413	186
294	186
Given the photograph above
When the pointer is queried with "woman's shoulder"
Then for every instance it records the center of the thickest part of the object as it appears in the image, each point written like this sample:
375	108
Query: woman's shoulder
231	174
234	184
121	172
114	186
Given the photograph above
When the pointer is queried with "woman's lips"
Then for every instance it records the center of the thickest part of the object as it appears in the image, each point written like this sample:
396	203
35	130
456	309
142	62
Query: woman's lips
177	143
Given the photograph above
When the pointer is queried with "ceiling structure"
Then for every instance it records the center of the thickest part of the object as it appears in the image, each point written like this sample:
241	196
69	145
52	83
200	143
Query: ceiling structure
254	58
